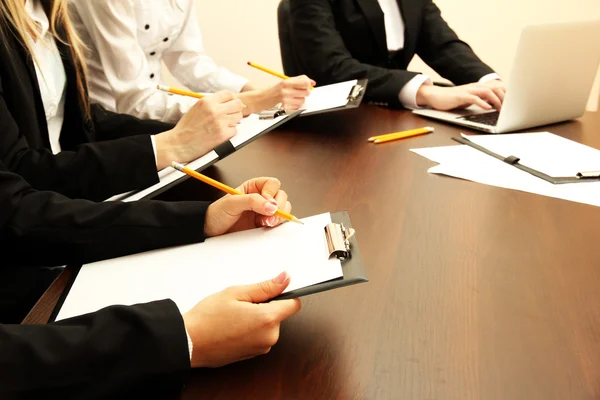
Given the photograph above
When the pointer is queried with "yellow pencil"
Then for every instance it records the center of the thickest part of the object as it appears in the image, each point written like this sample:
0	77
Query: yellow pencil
400	135
226	189
180	91
270	71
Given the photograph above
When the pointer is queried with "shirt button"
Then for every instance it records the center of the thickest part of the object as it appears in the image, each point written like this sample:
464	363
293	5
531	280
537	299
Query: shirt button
166	39
147	27
153	53
151	76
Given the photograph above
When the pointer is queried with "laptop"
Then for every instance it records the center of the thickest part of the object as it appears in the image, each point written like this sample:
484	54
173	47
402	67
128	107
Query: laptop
551	80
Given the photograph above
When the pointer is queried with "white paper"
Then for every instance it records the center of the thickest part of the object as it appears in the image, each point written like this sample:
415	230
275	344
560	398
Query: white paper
187	274
328	97
543	151
248	128
465	162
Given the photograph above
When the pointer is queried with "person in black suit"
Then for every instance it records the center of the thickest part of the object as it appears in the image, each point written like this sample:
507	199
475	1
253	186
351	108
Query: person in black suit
57	141
338	40
122	349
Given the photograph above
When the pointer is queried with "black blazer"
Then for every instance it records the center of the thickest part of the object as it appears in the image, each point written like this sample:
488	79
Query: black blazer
107	155
137	352
106	353
338	40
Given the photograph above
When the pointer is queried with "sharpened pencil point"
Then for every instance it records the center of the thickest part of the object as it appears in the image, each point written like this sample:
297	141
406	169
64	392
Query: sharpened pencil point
297	221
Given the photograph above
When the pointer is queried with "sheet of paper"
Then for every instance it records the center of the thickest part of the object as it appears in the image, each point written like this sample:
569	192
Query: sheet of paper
543	151
464	162
187	274
246	130
329	96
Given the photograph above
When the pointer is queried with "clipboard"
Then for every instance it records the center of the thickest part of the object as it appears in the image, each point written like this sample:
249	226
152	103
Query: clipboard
580	177
355	97
341	244
200	164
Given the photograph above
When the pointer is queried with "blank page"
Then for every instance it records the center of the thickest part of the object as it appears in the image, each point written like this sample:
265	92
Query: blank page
329	96
187	274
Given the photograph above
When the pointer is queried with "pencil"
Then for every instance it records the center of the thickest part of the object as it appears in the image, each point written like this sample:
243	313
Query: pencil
227	189
180	91
400	135
270	71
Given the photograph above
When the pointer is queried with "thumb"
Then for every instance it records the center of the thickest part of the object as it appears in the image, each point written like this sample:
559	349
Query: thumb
264	291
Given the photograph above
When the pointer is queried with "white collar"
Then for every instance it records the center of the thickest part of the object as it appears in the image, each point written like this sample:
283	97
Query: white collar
38	15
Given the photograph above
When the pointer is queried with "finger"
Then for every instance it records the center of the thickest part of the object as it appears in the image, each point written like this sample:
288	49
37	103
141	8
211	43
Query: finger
488	95
222	97
296	93
235	205
233	119
256	185
283	309
473	99
281	200
500	93
233	106
263	291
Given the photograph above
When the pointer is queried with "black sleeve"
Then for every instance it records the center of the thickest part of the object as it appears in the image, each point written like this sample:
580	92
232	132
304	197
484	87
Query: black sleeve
93	171
110	125
45	228
442	50
99	355
322	52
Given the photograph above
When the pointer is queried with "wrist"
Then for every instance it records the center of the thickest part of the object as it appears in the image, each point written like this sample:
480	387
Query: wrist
195	360
165	153
424	94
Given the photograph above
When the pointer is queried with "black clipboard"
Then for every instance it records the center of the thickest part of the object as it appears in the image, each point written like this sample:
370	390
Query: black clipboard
355	98
581	177
352	268
223	150
352	265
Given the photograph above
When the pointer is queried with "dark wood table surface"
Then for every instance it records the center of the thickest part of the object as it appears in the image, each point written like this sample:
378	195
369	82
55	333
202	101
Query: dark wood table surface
475	292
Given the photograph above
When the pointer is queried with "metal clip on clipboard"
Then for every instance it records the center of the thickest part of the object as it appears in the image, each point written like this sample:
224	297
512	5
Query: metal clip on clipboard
355	92
271	113
338	240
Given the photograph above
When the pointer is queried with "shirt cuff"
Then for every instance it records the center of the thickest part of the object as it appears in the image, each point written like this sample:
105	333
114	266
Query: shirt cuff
408	93
489	77
153	140
190	344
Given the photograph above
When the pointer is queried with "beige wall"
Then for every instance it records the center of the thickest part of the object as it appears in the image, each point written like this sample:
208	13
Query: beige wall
236	31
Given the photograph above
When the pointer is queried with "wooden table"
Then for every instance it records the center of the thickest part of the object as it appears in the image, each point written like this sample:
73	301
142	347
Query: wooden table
475	292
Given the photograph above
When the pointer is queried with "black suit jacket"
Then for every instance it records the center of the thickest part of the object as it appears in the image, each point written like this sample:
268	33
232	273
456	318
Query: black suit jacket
107	155
104	354
338	40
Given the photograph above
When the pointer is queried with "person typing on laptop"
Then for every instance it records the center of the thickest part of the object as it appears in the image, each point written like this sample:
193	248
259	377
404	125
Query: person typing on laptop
334	41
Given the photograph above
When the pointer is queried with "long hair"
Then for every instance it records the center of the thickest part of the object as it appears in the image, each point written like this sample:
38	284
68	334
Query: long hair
14	20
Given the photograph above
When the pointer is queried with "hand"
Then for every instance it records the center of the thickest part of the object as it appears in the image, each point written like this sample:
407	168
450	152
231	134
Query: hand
498	86
254	209
448	98
230	326
210	122
292	92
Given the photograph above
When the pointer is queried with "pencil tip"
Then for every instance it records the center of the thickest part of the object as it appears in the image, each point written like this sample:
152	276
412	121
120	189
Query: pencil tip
294	219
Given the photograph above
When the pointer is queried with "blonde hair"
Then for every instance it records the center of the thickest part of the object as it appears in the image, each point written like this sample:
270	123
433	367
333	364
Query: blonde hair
14	19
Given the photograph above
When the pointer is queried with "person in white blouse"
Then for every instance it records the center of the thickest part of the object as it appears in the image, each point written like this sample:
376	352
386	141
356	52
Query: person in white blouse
128	39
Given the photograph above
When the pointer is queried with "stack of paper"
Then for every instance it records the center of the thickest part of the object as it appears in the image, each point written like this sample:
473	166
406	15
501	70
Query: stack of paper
543	151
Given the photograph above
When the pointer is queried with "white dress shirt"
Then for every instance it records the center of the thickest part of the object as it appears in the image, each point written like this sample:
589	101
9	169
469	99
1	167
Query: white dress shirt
50	73
394	33
128	40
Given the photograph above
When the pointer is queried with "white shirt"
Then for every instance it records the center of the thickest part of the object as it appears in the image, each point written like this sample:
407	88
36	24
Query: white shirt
50	73
394	33
129	38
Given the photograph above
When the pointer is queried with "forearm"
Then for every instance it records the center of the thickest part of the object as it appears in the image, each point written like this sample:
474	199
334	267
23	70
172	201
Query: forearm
259	100
123	345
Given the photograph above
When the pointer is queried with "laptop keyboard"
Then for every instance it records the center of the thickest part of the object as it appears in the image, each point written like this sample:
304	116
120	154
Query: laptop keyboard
490	118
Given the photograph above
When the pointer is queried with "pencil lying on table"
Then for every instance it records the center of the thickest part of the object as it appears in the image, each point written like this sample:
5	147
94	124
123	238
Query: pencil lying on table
180	91
400	135
270	71
227	189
